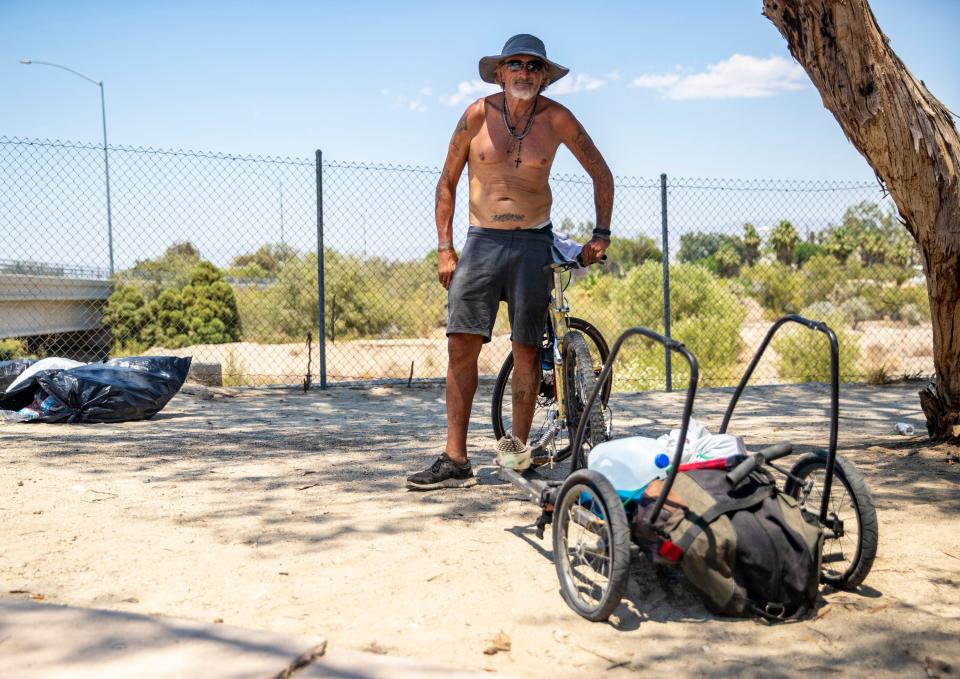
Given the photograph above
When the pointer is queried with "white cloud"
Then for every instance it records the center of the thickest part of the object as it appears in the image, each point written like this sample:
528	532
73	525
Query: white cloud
613	75
467	90
738	76
426	91
410	103
572	84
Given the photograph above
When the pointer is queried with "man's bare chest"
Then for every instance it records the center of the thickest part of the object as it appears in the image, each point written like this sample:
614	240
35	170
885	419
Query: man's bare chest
494	146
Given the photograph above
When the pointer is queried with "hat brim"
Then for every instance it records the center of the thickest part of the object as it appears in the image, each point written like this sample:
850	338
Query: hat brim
488	66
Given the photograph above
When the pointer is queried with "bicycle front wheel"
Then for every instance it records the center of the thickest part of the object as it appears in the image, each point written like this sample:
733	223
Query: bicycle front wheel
501	409
851	531
580	381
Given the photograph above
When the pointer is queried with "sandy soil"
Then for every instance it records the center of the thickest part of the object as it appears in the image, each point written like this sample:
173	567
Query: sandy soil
283	510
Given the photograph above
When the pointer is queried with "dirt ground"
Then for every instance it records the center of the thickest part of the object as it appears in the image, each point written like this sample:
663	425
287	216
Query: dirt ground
283	510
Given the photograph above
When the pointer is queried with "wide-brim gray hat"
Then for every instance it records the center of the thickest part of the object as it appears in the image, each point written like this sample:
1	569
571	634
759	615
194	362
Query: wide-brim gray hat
524	44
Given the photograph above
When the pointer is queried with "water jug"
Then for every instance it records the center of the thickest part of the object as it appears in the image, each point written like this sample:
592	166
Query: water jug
630	463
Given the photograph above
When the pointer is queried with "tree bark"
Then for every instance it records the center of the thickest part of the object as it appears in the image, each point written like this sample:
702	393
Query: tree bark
909	139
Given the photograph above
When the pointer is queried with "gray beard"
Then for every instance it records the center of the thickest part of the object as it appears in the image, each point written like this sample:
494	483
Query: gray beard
522	93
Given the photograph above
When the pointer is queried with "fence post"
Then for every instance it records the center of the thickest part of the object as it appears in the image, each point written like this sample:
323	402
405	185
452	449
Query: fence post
320	286
666	278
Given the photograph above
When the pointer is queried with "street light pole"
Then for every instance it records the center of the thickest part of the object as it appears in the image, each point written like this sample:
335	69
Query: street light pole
106	155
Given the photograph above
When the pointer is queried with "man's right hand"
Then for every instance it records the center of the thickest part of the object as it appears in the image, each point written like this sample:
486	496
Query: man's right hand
446	263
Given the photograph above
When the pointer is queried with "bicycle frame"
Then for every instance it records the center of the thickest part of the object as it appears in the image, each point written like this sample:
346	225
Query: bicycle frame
558	314
834	393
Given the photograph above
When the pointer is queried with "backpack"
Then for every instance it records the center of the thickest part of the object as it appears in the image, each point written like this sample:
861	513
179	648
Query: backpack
747	548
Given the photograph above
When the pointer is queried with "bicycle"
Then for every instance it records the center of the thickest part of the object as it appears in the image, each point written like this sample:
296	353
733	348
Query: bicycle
565	353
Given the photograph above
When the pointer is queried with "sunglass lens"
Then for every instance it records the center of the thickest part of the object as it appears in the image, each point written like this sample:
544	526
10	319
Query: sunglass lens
533	66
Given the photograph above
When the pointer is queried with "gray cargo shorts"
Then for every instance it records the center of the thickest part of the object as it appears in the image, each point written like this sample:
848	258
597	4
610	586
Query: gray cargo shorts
500	265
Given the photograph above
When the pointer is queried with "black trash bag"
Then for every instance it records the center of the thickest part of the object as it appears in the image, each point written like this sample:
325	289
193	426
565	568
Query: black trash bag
10	370
121	390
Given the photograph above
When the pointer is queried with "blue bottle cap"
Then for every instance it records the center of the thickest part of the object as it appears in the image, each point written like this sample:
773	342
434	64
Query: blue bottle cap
662	461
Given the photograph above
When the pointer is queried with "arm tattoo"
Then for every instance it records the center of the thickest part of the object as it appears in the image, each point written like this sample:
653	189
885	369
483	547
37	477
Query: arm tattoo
461	127
508	217
584	144
588	155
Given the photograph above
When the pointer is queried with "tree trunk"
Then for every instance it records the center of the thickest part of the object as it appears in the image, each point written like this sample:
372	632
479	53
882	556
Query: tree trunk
910	141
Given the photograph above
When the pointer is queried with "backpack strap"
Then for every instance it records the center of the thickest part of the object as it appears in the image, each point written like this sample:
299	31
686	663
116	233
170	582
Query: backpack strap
716	511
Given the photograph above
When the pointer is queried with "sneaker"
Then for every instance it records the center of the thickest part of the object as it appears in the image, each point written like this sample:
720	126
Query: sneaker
513	453
444	473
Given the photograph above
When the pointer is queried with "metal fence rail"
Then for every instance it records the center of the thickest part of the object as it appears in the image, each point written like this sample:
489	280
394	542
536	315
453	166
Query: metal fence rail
219	256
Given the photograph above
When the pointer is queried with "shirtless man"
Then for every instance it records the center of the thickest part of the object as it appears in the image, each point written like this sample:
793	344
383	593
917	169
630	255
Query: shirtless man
508	141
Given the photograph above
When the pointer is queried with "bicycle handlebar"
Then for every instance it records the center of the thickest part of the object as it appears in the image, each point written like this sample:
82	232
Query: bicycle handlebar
572	264
774	452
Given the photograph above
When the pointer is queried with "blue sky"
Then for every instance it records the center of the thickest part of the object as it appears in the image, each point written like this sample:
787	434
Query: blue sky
701	88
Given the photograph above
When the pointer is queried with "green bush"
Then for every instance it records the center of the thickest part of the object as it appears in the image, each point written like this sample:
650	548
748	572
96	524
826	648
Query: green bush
804	355
126	315
805	251
888	300
266	262
170	270
778	288
727	261
626	253
204	311
874	235
824	278
11	349
697	245
705	315
856	310
210	307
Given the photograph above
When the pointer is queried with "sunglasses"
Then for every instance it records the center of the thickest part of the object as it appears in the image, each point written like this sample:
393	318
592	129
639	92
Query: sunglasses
532	66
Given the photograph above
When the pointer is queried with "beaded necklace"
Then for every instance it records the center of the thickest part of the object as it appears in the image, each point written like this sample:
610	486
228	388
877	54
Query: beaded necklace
512	129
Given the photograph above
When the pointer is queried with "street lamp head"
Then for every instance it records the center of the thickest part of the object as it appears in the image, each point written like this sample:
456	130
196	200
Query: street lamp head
26	61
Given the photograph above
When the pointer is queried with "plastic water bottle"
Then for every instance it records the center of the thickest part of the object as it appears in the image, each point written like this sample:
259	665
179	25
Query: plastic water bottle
546	358
904	429
630	463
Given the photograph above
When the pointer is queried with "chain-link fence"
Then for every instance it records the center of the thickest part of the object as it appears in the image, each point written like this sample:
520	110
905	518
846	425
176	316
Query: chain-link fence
216	256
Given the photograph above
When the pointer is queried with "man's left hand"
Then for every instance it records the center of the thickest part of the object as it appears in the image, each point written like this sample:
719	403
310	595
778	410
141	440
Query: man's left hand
593	251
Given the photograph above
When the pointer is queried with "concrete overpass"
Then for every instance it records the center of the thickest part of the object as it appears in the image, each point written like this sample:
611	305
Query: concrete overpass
54	305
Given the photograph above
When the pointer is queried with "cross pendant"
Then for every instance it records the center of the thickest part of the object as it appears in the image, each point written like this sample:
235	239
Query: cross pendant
516	163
